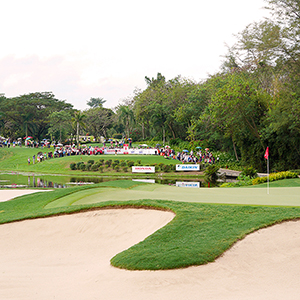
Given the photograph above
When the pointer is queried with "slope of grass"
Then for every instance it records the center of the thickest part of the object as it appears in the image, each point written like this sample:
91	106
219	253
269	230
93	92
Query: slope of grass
197	235
292	182
15	159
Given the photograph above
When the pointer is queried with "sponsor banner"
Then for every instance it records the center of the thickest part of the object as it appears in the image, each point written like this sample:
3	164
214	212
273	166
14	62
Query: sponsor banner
188	184
141	169
145	180
114	151
186	167
126	150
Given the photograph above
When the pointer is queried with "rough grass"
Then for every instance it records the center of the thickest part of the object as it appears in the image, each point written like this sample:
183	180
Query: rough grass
197	235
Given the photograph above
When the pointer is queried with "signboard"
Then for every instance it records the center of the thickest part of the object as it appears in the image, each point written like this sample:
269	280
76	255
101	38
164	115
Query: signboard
145	180
141	169
185	167
126	150
113	151
188	184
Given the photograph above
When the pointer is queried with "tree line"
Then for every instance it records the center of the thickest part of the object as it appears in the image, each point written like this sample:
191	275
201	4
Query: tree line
41	115
251	103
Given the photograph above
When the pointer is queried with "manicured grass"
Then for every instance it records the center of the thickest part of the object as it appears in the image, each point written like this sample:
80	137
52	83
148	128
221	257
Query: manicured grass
198	234
285	196
15	159
292	182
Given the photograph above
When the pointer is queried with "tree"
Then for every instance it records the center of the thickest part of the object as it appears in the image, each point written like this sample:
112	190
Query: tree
126	117
239	110
28	114
100	120
78	121
96	102
60	122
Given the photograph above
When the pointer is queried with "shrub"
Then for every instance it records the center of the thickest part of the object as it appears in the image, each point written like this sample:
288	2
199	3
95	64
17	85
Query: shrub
116	161
166	168
173	167
274	177
117	168
161	166
91	161
139	161
211	173
296	171
98	164
95	167
122	164
125	169
114	165
88	167
130	163
78	165
101	169
108	163
73	166
249	171
82	167
101	161
242	181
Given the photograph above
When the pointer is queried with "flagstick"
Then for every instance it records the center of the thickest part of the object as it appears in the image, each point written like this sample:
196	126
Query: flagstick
268	184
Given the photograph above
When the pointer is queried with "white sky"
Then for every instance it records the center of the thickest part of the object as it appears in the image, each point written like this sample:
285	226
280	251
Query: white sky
105	48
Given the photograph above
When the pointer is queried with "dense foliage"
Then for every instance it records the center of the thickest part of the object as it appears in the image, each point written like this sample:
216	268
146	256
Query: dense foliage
252	103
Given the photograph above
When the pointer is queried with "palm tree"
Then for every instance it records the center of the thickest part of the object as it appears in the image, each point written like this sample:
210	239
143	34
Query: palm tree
126	117
78	121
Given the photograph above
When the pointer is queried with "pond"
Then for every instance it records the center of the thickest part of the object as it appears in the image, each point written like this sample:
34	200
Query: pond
25	180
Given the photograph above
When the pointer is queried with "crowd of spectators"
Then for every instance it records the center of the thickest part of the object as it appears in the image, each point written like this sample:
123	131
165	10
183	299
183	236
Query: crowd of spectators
68	150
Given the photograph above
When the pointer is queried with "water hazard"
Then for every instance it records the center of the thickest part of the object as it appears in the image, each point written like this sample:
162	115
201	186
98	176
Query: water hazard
27	180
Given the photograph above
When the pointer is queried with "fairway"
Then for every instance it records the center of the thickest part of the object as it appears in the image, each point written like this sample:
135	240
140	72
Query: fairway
283	196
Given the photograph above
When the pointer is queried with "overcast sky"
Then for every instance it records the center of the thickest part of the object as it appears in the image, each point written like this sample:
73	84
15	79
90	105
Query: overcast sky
96	48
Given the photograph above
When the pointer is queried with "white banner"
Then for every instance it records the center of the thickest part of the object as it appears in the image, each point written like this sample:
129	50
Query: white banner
140	169
130	151
188	184
114	151
145	180
186	167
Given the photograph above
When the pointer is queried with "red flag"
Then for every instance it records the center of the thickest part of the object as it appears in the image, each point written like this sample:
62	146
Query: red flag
266	156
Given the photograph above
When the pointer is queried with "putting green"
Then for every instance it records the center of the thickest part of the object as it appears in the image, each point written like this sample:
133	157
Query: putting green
289	196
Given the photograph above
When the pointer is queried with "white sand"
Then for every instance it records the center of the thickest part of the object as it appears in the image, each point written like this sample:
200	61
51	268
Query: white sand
6	195
67	257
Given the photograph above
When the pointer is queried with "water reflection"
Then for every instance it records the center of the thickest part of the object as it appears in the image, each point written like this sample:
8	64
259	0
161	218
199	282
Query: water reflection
60	181
43	183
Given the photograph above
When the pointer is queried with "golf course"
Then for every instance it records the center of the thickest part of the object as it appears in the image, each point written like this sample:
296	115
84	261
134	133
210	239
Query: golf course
220	242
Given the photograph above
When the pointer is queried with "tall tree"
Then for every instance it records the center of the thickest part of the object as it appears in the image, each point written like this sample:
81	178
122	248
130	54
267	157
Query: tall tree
96	102
78	121
60	123
100	120
28	114
126	117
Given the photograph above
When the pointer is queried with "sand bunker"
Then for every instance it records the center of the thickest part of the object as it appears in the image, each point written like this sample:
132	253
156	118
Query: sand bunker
67	257
10	194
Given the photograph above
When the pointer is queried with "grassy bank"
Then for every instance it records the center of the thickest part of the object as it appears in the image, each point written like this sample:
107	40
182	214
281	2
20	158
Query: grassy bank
198	234
15	159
